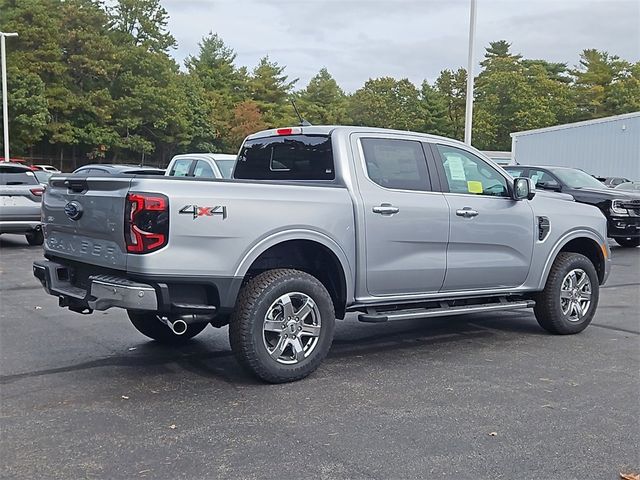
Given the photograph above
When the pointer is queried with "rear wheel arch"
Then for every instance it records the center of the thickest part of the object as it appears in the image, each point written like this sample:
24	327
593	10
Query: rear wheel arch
309	256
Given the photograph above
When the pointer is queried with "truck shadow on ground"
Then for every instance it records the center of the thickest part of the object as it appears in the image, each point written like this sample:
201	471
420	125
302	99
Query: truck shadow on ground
352	340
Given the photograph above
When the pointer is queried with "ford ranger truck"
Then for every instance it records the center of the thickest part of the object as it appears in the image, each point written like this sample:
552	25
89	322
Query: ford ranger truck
317	222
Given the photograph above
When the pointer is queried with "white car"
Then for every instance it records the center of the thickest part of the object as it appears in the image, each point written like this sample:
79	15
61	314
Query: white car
48	168
202	165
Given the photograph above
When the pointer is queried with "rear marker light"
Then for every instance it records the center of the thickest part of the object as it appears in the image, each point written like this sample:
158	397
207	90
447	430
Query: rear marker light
37	191
146	222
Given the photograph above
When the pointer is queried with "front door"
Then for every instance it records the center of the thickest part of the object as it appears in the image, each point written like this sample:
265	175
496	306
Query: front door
492	236
406	223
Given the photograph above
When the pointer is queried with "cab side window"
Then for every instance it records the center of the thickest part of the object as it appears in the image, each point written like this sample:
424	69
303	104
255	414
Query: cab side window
181	168
543	179
203	170
469	174
396	164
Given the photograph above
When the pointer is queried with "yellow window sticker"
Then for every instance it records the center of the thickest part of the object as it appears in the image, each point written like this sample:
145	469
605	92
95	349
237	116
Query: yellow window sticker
474	186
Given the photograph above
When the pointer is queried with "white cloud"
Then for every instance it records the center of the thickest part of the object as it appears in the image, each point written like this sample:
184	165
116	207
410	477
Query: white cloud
359	39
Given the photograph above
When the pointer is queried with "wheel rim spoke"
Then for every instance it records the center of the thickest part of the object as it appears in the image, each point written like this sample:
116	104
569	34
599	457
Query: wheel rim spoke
273	326
565	294
310	330
280	347
298	350
305	310
287	306
583	280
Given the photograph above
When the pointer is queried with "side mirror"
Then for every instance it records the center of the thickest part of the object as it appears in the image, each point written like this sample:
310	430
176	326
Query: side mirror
523	188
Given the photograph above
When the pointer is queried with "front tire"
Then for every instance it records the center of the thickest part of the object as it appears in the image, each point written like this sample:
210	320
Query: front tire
628	242
570	297
36	237
283	324
148	324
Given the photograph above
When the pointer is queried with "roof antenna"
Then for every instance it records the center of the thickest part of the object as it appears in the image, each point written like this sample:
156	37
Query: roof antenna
303	122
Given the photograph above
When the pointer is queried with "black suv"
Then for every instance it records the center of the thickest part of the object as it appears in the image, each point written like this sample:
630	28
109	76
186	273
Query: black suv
622	208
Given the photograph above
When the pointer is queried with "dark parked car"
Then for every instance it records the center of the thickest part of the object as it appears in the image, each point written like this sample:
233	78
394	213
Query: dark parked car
621	207
100	169
632	186
20	201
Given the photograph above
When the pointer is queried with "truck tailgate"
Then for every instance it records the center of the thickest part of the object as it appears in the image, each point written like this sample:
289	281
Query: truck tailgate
83	219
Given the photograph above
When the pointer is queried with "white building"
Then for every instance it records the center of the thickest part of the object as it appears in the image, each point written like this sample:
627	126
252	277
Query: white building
605	147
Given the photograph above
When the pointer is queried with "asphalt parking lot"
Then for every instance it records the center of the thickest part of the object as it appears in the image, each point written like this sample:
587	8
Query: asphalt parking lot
485	396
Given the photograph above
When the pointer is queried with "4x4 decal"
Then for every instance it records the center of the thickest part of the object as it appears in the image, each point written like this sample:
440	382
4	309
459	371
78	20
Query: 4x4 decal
196	211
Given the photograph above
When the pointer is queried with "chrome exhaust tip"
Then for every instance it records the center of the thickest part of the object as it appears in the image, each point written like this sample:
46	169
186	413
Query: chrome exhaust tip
178	327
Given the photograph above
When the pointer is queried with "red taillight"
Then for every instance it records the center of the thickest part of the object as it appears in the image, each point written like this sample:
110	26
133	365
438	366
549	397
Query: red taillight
146	222
38	191
289	131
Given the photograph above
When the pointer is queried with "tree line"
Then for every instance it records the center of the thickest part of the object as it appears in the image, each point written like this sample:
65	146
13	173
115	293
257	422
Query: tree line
92	82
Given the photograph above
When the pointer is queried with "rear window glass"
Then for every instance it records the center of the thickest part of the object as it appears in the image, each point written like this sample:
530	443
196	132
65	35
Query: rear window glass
292	157
17	176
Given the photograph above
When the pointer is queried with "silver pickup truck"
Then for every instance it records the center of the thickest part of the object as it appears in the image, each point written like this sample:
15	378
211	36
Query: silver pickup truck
318	222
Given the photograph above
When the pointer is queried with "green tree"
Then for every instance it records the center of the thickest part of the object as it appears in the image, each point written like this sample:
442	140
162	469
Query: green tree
270	88
434	108
623	96
594	76
142	22
28	111
322	101
453	87
388	103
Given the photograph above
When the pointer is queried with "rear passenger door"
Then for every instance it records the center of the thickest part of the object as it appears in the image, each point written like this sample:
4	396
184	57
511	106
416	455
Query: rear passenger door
406	223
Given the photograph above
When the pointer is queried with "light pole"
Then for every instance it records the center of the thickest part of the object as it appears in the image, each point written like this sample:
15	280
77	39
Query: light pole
468	113
5	109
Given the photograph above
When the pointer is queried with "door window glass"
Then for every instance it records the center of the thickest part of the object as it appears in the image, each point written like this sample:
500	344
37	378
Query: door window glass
181	168
466	173
543	179
203	170
398	164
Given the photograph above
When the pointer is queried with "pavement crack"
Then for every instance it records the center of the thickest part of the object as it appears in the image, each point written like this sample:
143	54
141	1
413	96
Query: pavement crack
617	329
123	361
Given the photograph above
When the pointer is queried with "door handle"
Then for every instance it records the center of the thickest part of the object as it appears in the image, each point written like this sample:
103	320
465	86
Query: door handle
385	209
467	212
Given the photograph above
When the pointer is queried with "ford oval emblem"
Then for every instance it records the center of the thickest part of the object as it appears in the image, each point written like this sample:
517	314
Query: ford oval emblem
73	210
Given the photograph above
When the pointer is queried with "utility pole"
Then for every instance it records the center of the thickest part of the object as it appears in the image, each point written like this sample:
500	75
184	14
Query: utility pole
468	113
5	108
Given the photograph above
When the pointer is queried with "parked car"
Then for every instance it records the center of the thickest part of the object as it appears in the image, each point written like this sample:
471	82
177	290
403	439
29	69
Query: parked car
43	176
322	221
202	165
612	182
46	168
100	169
622	208
631	186
20	201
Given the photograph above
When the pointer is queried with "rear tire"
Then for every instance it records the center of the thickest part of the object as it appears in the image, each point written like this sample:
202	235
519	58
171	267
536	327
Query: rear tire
35	237
628	242
149	325
283	324
570	297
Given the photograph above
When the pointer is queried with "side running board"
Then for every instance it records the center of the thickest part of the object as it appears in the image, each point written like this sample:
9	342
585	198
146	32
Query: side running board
441	309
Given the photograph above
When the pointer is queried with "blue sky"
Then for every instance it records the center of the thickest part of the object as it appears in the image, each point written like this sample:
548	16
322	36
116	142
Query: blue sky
360	39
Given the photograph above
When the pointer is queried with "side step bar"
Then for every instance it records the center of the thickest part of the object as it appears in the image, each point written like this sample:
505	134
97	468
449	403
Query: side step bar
441	309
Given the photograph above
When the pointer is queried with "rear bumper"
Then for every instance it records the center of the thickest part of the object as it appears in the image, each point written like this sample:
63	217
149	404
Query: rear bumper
626	227
84	288
103	292
19	226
